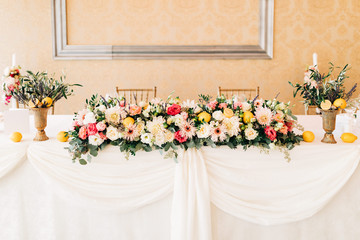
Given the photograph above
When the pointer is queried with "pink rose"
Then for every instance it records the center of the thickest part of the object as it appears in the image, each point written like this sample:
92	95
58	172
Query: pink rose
100	126
237	104
212	105
102	136
222	105
83	133
134	110
174	109
92	130
270	133
284	130
289	126
180	136
122	103
11	88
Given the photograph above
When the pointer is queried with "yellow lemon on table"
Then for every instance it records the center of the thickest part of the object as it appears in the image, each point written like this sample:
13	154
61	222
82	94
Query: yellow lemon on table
340	103
62	136
204	116
325	105
348	137
47	101
128	122
308	136
16	137
247	116
228	112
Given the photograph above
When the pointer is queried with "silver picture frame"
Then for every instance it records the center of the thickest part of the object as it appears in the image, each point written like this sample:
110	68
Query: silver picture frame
63	51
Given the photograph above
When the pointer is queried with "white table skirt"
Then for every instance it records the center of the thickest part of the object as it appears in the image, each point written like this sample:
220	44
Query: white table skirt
212	194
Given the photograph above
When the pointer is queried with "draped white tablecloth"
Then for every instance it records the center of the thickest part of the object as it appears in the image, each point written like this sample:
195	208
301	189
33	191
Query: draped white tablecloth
210	194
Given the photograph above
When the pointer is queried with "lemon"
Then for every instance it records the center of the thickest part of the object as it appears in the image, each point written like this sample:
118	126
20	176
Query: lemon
204	116
340	103
348	137
326	105
62	136
228	112
47	101
247	116
37	103
16	137
308	136
128	121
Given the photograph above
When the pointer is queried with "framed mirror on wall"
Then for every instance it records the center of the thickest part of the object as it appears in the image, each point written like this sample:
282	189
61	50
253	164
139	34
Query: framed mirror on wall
154	29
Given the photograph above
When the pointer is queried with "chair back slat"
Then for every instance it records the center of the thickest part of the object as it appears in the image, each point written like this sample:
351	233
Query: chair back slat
230	92
135	95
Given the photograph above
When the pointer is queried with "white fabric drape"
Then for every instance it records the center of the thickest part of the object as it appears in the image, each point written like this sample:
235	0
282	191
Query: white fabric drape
190	217
11	156
110	181
265	189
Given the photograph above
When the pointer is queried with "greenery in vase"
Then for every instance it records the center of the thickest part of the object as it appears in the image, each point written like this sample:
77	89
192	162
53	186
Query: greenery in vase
38	90
322	90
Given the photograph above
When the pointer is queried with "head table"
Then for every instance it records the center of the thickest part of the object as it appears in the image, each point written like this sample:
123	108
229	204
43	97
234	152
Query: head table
210	194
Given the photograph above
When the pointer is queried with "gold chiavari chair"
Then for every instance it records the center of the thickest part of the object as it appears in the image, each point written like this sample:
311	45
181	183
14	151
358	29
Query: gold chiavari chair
23	106
135	95
249	93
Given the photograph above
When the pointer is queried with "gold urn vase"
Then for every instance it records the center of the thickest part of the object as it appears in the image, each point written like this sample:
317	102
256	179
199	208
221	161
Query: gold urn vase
40	120
329	122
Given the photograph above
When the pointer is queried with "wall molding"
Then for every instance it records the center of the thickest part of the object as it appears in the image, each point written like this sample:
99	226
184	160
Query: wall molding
63	51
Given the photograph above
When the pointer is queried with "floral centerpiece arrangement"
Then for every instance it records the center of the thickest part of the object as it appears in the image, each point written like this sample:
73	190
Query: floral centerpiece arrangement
169	125
10	81
322	90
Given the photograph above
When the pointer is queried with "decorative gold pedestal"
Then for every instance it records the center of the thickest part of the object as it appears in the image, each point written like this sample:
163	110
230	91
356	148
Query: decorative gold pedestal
329	122
40	119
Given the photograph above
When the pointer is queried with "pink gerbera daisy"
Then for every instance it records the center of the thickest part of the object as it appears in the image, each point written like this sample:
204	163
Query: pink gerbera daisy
218	133
131	133
188	129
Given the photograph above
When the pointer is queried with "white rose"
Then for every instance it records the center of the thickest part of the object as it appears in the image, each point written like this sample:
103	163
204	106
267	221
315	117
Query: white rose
146	138
204	131
246	106
218	115
95	140
142	104
89	118
250	133
101	108
112	133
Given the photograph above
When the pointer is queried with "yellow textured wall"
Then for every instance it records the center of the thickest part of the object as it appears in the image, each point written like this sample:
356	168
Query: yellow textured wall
328	27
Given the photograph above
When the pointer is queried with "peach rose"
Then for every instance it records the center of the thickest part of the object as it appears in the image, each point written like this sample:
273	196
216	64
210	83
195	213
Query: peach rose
134	110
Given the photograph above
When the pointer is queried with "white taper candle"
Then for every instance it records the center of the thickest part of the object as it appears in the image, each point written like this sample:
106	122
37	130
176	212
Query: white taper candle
314	59
13	60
